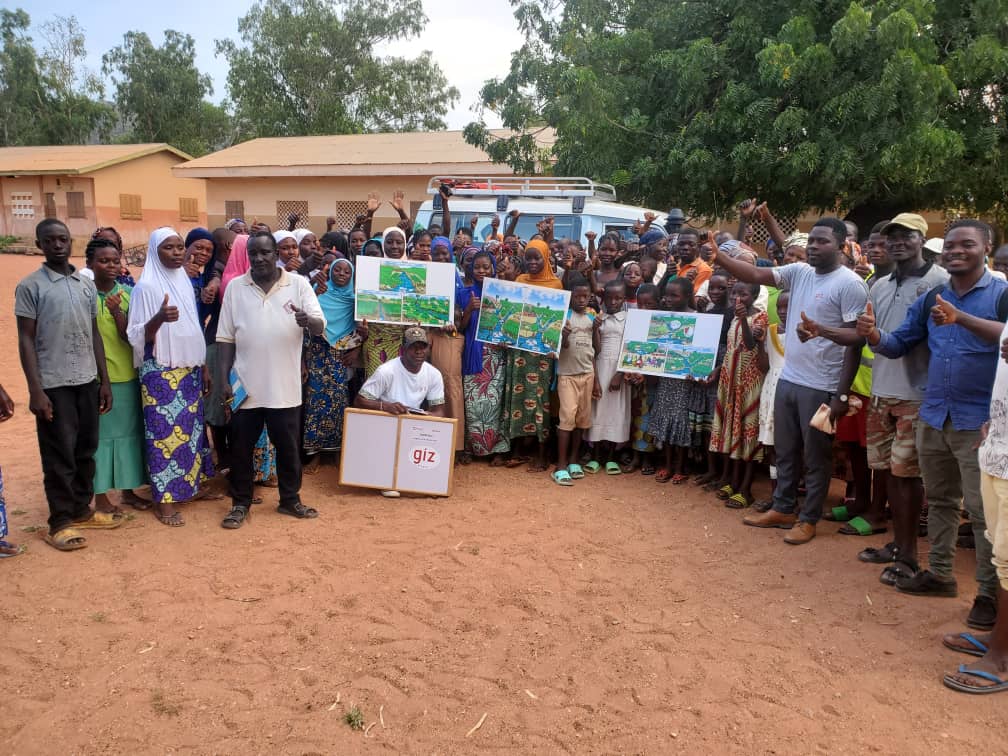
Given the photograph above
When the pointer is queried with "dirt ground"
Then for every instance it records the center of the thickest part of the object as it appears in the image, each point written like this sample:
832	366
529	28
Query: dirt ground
617	616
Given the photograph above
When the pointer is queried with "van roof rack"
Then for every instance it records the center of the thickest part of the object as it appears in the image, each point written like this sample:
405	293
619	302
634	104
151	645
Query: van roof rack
523	186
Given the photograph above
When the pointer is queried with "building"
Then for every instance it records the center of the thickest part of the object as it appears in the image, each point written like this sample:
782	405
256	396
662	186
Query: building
128	186
320	176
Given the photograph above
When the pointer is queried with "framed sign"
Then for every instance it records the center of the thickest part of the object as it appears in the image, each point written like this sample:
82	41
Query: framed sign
405	292
522	316
408	453
670	344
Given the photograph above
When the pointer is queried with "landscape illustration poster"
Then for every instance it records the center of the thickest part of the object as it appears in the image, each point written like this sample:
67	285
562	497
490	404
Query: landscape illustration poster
670	344
522	316
405	291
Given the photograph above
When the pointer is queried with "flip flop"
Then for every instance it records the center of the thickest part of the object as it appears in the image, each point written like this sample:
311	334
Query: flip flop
837	514
859	526
725	492
611	468
662	476
575	472
678	479
67	539
562	478
998	686
101	521
979	647
591	466
736	501
18	550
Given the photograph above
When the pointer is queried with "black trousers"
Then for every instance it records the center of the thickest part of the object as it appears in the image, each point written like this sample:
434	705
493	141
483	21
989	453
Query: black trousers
284	429
67	446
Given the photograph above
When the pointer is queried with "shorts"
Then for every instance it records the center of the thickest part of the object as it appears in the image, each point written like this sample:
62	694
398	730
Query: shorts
575	394
851	428
892	436
995	505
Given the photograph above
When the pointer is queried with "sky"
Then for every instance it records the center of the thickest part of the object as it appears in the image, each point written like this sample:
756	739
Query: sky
471	40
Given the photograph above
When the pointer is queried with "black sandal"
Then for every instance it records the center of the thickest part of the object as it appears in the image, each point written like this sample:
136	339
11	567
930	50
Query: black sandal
235	518
901	568
299	511
885	555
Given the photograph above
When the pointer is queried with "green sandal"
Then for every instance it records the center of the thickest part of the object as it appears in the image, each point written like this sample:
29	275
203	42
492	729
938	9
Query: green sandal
612	468
575	471
562	478
736	501
859	526
725	492
592	466
838	514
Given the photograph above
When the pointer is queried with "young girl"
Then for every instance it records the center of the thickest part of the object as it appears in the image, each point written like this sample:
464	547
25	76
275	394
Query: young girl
642	398
421	247
706	392
529	375
446	353
119	461
632	278
735	431
483	374
607	271
671	425
610	427
770	349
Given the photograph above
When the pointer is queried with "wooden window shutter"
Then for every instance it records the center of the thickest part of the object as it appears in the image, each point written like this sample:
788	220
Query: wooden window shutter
75	205
130	207
234	209
188	209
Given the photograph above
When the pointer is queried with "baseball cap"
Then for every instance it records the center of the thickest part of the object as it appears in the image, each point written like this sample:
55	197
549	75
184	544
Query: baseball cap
911	221
414	335
935	244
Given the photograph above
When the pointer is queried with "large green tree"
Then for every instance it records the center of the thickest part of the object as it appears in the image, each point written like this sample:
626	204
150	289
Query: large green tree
311	67
161	93
808	104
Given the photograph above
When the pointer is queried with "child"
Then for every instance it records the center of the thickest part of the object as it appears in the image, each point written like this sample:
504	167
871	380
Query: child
706	391
119	461
735	431
610	426
770	346
607	271
671	425
642	397
575	383
632	279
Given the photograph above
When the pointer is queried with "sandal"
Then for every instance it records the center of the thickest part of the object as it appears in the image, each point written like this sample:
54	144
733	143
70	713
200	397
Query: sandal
67	539
174	520
590	466
647	469
8	550
611	468
979	647
725	492
678	479
738	501
562	478
859	526
575	472
235	518
298	510
838	514
879	556
896	570
663	476
101	521
952	682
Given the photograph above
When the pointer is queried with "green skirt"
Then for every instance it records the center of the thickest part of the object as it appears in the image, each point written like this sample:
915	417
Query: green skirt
119	461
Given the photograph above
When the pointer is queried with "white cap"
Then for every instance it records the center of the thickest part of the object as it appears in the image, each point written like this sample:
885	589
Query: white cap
935	244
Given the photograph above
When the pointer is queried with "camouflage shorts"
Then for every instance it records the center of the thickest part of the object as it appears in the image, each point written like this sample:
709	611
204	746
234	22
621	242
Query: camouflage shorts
892	436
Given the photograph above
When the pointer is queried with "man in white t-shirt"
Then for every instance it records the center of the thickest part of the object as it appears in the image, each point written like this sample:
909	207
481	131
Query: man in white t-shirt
405	383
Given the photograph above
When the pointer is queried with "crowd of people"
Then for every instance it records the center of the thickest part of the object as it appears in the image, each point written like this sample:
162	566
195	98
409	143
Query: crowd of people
236	352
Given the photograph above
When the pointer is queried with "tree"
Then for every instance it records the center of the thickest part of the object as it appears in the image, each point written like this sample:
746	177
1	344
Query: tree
310	67
699	103
162	94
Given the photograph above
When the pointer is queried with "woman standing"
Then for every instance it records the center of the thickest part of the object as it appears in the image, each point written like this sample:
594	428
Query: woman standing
329	359
169	350
384	340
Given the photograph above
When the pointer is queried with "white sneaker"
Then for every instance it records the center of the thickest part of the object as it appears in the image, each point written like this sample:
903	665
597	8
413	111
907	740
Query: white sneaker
390	494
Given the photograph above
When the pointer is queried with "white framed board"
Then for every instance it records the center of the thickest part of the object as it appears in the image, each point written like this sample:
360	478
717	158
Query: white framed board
404	292
408	453
670	344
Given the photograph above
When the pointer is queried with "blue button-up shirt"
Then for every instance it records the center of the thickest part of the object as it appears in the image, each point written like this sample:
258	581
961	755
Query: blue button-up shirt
962	366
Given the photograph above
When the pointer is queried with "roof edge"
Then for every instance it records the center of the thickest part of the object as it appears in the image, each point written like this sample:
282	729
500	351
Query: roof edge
152	150
322	170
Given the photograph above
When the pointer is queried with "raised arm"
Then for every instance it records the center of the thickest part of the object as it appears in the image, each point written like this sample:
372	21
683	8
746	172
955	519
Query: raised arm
512	223
744	271
446	219
772	226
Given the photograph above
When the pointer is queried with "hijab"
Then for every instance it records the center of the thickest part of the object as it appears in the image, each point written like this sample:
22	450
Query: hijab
546	277
279	236
177	345
337	304
395	230
300	233
444	241
375	242
237	264
472	352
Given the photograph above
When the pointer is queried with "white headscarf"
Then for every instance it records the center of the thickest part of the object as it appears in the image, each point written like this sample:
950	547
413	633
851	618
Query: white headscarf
178	344
279	236
300	233
392	230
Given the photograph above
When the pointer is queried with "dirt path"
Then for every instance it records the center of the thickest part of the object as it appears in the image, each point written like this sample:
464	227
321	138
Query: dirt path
615	616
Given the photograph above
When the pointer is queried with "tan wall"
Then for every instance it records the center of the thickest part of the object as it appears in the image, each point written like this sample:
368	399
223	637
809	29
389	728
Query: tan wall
260	196
152	179
23	227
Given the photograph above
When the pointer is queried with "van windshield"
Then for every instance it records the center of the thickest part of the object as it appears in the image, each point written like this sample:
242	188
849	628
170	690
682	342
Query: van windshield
564	225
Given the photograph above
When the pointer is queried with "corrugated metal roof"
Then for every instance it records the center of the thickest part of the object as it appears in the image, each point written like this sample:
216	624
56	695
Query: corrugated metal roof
349	154
74	159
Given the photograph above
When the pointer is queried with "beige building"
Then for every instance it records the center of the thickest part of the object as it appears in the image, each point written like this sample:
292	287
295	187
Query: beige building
128	186
319	176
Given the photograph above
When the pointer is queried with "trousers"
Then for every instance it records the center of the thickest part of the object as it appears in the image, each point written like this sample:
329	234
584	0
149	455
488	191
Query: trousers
795	443
284	429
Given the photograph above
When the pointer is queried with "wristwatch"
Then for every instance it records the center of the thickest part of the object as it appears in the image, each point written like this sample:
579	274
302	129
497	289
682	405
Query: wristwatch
843	398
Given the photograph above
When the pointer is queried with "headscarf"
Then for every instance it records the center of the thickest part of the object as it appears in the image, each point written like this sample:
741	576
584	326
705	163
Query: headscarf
795	240
546	277
196	234
337	304
279	236
652	235
237	264
443	241
177	345
374	242
234	221
472	352
394	230
300	233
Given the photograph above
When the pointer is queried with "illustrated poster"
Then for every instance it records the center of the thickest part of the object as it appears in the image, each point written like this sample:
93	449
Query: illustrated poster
522	316
670	344
405	292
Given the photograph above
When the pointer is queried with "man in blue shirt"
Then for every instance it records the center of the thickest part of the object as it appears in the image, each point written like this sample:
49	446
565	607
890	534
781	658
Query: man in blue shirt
962	326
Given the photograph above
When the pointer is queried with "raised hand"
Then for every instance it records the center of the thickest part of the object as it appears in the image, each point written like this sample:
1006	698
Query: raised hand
473	222
300	317
362	329
943	313
748	207
209	292
516	214
866	322
168	313
650	217
591	235
397	199
495	222
373	202
740	309
762	211
807	328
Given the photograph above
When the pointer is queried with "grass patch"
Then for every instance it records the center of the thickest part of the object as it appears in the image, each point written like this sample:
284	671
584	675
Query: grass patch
355	718
19	511
31	528
162	706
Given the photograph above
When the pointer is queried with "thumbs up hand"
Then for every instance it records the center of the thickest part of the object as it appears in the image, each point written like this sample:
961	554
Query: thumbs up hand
300	317
168	313
943	313
866	322
807	328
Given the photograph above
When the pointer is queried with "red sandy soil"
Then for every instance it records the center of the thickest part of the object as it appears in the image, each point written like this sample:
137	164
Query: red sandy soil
617	616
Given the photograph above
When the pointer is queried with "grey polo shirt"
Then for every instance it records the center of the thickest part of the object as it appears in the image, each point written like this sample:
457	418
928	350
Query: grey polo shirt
64	309
891	297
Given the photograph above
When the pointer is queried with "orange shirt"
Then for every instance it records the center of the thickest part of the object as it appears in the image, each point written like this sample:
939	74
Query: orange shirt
704	272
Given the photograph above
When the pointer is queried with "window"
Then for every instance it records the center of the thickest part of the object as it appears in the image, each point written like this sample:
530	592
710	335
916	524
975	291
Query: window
346	213
286	208
234	209
75	205
22	205
130	207
50	205
188	209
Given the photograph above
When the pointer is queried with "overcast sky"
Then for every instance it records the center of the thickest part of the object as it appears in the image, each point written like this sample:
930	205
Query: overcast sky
471	40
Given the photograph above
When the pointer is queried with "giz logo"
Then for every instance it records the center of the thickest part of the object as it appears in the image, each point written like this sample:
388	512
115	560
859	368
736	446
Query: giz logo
424	458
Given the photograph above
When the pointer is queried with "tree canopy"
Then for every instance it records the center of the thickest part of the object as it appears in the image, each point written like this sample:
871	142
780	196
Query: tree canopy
826	104
310	67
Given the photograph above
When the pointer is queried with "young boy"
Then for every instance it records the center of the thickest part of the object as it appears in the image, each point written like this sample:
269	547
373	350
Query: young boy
575	381
64	363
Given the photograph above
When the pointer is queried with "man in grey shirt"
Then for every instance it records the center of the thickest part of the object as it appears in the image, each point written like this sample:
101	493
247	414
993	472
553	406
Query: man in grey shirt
64	363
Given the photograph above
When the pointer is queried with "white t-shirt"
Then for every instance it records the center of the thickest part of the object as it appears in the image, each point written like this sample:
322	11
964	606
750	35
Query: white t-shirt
831	299
993	454
392	382
267	339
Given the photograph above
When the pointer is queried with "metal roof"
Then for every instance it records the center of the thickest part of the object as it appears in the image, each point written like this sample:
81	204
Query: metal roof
75	159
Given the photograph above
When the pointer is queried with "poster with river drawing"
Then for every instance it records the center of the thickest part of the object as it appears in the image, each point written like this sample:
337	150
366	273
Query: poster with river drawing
522	316
670	344
404	291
